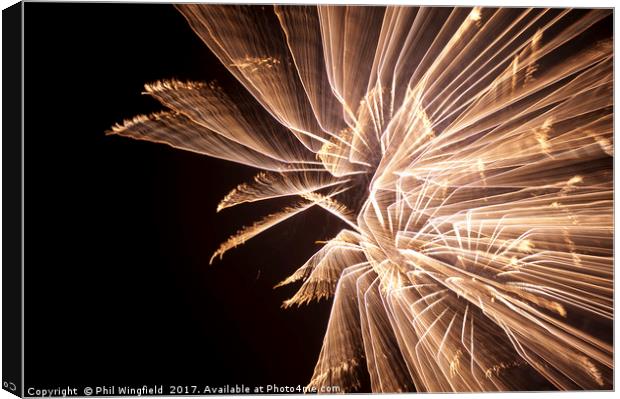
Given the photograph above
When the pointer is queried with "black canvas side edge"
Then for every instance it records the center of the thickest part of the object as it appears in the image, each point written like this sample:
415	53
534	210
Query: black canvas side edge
12	337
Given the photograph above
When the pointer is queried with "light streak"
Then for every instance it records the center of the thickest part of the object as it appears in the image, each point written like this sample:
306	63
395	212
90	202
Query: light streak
479	145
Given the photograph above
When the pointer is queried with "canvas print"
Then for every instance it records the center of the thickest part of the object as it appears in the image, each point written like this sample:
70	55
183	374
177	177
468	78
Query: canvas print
423	195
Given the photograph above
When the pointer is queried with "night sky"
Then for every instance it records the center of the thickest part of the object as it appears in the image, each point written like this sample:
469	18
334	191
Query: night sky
118	233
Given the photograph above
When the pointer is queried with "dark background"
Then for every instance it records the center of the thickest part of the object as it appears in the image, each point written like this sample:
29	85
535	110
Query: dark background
118	233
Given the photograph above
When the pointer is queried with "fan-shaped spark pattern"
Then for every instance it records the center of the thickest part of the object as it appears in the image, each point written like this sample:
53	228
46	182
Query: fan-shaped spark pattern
479	145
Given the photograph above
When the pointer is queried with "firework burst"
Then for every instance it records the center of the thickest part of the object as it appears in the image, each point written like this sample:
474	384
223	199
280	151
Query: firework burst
469	152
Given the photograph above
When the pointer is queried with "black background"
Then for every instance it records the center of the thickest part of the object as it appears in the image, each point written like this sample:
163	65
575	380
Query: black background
118	233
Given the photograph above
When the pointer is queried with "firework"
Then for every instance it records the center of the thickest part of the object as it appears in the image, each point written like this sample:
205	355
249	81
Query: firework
469	152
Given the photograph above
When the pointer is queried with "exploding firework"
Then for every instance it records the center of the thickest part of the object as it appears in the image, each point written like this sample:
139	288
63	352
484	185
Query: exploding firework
469	152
